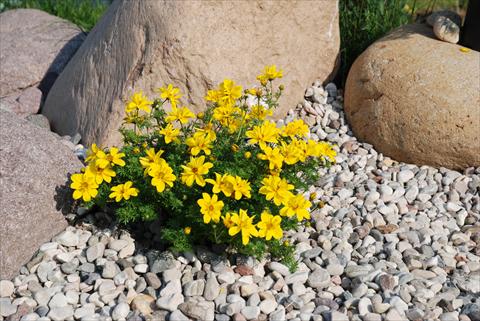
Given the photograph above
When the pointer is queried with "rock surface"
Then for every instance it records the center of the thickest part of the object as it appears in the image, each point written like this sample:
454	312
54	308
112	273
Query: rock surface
416	99
36	46
34	164
143	45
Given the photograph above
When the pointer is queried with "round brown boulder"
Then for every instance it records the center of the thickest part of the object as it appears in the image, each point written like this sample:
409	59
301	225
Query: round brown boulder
417	99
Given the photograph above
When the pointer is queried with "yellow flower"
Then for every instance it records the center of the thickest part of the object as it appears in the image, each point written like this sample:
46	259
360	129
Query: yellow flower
296	205
269	73
259	112
295	128
276	188
227	221
199	142
290	153
136	150
139	101
110	159
100	174
326	150
187	230
171	94
273	155
194	171
209	131
151	158
255	92
84	187
200	115
224	112
182	114
123	191
229	92
210	207
247	155
93	152
242	223
269	226
162	175
214	96
169	133
232	123
266	133
221	184
301	148
234	148
241	187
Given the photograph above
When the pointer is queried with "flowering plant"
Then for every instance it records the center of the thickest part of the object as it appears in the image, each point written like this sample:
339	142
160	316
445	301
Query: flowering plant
227	175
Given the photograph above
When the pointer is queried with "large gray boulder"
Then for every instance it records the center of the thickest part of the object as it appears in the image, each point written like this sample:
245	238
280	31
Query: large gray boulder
34	48
417	99
142	45
34	169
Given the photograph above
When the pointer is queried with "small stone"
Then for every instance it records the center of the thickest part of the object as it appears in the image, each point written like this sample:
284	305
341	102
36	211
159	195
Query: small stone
250	312
117	245
194	288
160	261
386	282
95	251
86	311
177	315
68	238
278	314
170	302
335	269
212	288
405	175
372	317
248	289
153	280
300	277
364	306
6	288
446	30
58	300
268	306
394	315
141	268
120	311
6	307
338	316
320	278
110	269
226	277
279	267
353	271
204	310
143	304
61	313
244	269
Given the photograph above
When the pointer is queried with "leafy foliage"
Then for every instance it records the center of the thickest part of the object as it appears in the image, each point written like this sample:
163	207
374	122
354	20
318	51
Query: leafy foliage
223	176
84	13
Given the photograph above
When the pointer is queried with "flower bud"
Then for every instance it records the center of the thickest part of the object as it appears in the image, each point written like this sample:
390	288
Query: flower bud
234	148
200	115
187	230
247	155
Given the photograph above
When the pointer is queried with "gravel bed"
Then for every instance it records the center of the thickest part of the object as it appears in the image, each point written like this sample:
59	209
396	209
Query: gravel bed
390	241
